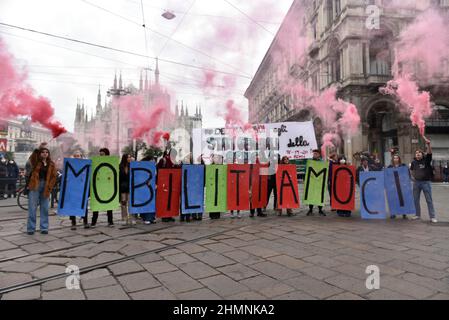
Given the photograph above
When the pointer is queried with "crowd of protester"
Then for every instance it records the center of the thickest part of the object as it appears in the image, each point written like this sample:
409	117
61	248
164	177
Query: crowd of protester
42	175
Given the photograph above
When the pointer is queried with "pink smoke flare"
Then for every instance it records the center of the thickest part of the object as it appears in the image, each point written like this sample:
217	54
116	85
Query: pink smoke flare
17	98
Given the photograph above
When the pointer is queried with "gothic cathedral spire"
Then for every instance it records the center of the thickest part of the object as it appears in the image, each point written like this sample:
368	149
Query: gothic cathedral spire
99	110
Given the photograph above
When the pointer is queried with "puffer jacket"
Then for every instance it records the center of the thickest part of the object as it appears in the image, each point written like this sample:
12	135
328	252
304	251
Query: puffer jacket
50	180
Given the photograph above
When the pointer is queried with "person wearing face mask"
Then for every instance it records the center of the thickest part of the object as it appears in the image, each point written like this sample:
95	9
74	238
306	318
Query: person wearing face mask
42	180
13	175
3	177
422	173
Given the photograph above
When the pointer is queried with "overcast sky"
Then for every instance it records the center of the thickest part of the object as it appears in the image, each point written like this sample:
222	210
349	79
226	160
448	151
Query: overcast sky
205	33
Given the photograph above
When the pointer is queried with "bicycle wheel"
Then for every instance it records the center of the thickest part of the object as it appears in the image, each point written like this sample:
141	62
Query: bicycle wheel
22	200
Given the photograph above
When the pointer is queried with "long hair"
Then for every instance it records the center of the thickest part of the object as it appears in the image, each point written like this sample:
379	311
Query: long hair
392	159
34	157
124	162
49	155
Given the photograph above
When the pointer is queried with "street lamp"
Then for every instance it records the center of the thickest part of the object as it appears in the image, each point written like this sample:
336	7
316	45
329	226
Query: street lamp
118	93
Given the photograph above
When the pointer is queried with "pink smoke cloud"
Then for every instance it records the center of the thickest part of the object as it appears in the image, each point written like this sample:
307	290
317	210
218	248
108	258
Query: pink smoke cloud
419	54
17	98
146	121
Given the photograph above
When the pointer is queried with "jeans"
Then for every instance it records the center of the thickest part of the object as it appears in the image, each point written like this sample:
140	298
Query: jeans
35	198
426	187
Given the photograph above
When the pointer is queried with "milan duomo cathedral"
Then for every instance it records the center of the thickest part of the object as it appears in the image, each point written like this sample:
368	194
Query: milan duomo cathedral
108	128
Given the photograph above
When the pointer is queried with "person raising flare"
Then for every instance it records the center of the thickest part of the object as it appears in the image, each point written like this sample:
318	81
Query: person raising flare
42	181
316	157
396	162
124	189
422	174
103	153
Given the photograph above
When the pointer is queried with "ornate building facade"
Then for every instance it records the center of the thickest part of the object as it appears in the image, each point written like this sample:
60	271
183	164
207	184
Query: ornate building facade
109	128
341	52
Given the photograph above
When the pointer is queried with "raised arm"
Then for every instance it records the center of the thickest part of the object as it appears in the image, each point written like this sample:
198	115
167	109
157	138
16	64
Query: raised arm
428	145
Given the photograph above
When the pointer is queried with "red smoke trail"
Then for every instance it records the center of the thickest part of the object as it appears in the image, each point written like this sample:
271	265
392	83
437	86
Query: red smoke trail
18	99
146	121
420	51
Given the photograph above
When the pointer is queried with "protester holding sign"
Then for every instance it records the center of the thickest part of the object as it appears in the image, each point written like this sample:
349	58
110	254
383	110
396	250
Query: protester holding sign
365	167
216	187
272	183
103	153
348	180
168	162
292	183
258	188
396	162
150	217
422	174
316	157
42	180
333	159
124	189
78	155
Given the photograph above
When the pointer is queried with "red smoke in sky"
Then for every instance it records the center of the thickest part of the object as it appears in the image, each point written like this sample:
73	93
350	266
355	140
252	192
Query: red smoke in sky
17	98
419	56
146	121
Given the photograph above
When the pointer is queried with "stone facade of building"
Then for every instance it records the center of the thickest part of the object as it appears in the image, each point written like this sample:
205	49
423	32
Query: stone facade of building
358	61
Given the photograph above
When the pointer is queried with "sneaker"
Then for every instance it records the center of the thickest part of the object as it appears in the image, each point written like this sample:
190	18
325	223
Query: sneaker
111	225
93	226
239	216
44	232
252	215
322	214
310	213
263	215
86	226
73	228
147	222
30	233
433	220
416	217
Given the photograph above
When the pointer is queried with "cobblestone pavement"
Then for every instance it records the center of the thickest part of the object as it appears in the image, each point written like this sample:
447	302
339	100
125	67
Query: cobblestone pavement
262	258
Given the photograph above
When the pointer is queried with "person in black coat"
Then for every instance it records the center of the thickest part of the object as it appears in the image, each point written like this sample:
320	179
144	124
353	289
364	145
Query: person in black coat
124	188
13	175
3	177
